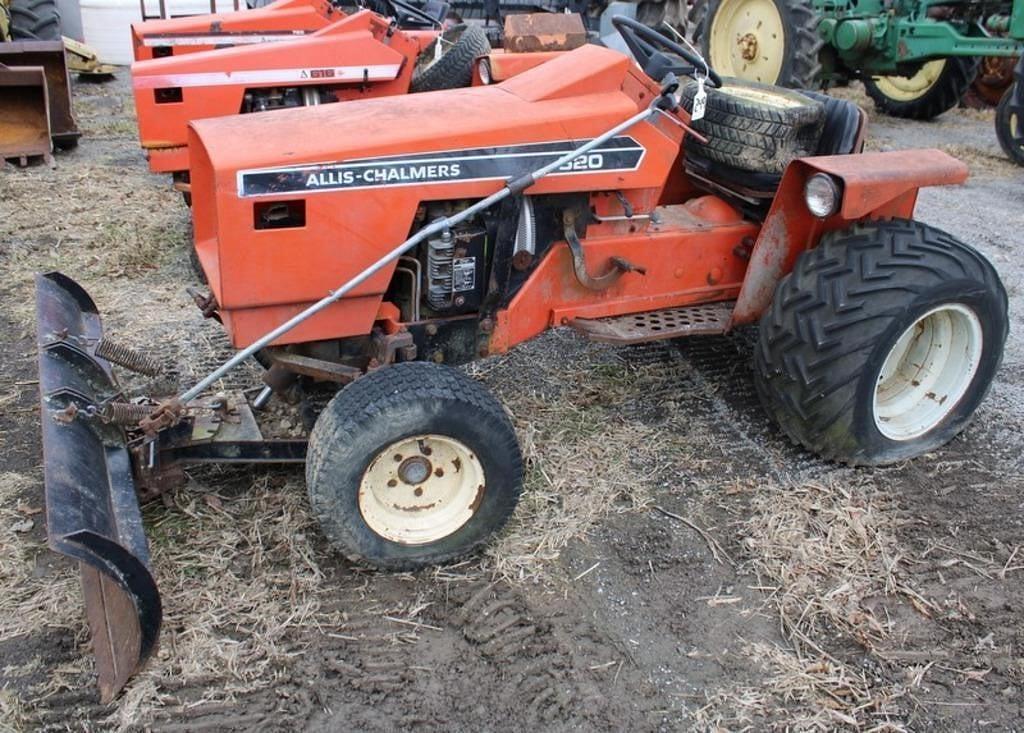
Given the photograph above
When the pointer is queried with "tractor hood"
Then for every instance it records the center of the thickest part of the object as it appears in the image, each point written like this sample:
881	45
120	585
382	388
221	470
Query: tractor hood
348	179
394	125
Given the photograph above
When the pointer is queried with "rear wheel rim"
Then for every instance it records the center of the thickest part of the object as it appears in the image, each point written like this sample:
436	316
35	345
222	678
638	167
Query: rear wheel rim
909	88
421	489
927	372
748	40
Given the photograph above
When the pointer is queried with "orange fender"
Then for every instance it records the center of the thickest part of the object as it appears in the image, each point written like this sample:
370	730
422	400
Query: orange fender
874	185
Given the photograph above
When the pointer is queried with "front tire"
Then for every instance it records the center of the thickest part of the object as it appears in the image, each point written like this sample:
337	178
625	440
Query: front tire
937	87
412	465
881	343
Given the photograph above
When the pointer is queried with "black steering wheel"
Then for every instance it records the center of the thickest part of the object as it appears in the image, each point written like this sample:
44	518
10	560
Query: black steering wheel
409	10
647	46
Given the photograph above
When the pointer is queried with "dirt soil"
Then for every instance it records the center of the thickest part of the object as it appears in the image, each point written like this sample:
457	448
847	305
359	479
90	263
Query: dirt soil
675	564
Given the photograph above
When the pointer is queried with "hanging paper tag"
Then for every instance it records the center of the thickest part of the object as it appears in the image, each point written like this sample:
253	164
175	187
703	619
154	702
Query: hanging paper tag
438	51
700	102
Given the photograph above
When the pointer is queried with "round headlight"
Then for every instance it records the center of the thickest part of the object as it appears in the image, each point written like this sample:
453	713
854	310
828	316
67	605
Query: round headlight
822	195
483	67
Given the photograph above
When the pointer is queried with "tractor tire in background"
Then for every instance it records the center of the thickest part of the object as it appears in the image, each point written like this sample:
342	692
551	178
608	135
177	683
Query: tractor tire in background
755	127
1010	122
412	465
35	20
767	41
937	87
881	343
460	46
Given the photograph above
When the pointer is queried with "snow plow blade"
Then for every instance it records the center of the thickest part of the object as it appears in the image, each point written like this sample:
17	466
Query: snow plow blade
92	512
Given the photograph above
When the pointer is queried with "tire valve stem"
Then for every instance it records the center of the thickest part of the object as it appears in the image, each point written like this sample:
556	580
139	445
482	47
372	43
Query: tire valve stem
127	357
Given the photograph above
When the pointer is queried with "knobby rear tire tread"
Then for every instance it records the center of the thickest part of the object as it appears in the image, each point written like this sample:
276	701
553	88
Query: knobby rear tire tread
35	20
826	317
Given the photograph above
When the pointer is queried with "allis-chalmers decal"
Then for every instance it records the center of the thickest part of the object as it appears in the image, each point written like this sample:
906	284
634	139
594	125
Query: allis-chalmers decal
618	154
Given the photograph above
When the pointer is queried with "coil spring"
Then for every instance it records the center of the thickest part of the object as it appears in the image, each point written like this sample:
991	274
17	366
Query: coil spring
128	357
125	413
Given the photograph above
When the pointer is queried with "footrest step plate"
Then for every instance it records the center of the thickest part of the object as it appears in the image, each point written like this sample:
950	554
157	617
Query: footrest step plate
636	328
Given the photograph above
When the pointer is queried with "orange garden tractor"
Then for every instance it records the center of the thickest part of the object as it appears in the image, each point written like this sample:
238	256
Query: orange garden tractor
613	195
282	20
352	57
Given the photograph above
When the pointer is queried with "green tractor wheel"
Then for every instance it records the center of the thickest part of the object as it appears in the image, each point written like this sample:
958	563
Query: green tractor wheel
937	87
766	41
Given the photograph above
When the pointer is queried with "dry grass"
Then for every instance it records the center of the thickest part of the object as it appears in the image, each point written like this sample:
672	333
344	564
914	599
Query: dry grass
803	695
33	598
584	460
820	550
240	583
825	548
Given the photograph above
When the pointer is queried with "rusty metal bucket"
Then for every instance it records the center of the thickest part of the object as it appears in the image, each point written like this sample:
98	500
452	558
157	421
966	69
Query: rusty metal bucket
50	56
24	113
92	513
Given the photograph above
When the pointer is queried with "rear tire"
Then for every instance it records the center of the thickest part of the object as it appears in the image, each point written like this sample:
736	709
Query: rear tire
786	45
840	350
460	45
1010	122
755	127
412	465
937	87
35	20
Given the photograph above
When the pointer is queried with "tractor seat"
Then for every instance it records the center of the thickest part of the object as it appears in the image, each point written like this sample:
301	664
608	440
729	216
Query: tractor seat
841	134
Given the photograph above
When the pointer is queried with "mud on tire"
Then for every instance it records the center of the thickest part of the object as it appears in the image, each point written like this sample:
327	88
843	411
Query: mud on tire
35	20
822	363
755	127
372	429
461	45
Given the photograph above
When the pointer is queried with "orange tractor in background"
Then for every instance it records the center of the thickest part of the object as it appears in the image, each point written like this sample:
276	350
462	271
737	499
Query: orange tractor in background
629	198
352	57
281	20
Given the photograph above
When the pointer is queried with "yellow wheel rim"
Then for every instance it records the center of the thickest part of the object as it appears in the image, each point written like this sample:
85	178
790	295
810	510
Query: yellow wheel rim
748	40
909	88
421	489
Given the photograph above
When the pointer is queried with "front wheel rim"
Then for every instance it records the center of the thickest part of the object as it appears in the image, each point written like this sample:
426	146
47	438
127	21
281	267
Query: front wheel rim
421	489
927	372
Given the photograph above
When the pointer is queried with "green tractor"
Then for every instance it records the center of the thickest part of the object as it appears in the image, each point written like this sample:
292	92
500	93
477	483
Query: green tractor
916	57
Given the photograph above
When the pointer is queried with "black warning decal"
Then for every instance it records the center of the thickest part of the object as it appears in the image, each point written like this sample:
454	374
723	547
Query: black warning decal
618	154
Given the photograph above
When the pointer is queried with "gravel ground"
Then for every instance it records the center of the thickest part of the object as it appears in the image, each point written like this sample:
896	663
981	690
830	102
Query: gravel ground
675	563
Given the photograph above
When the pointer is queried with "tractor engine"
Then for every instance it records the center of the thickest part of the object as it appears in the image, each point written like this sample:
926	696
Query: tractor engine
261	100
455	270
